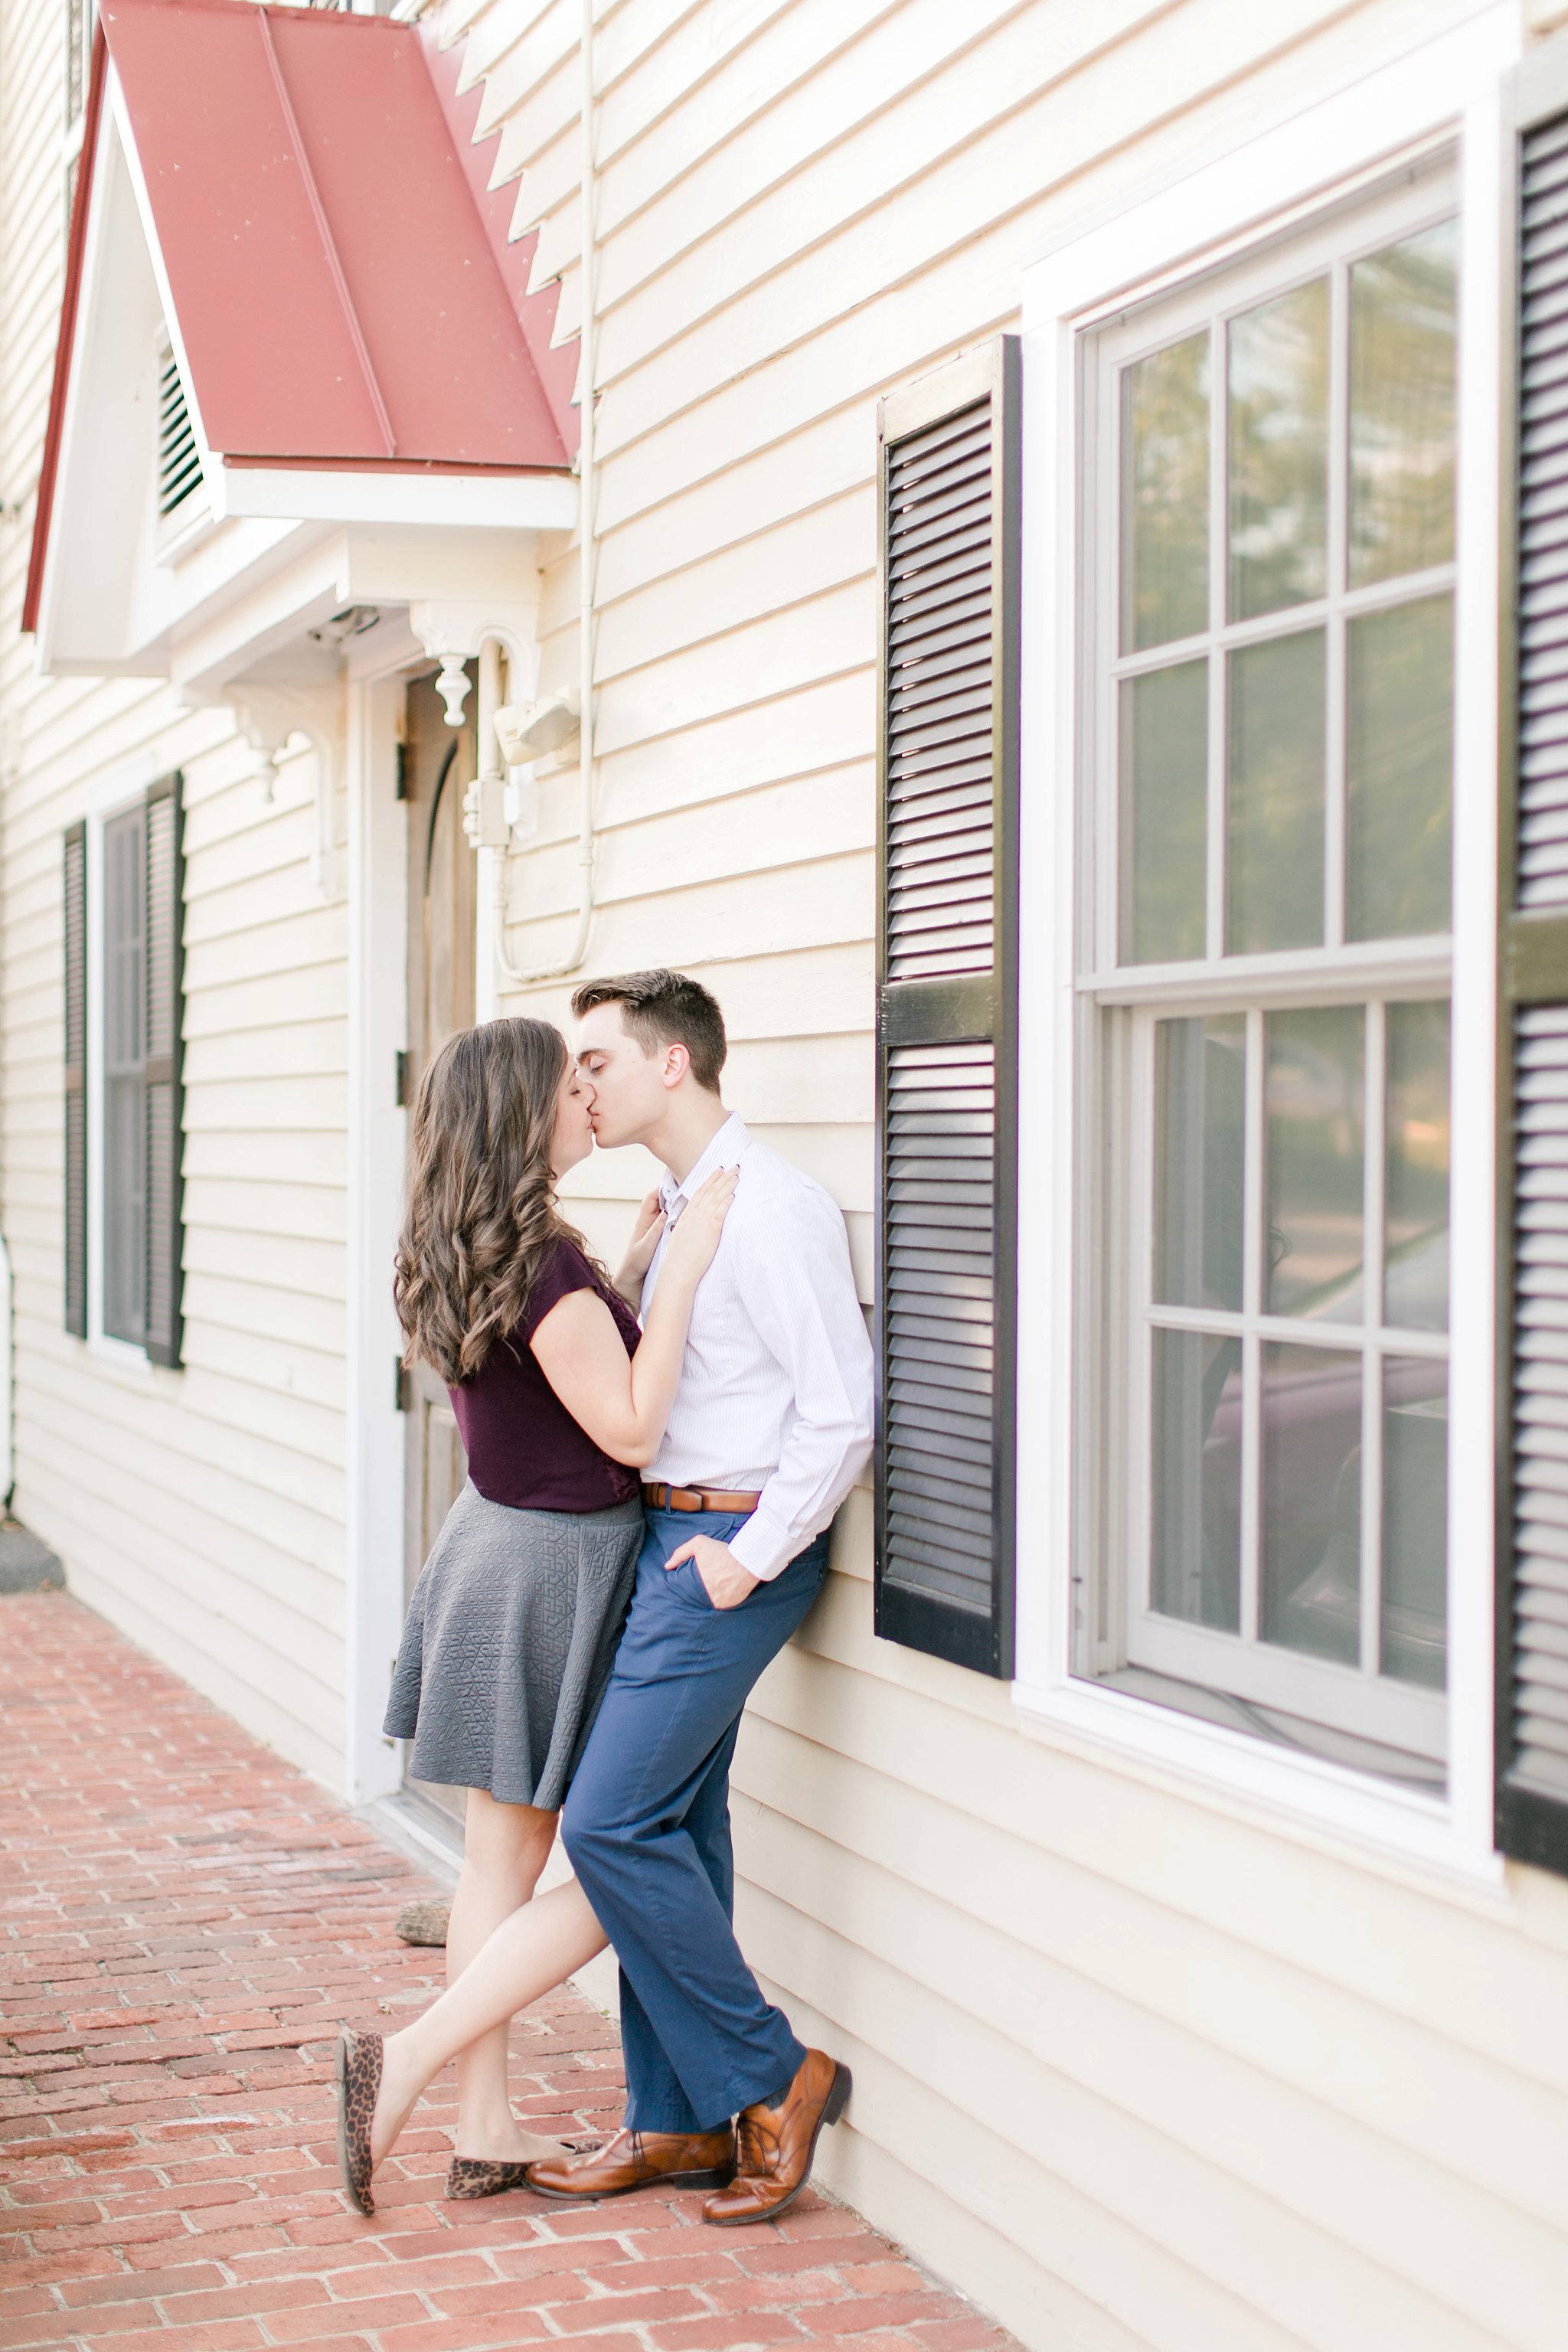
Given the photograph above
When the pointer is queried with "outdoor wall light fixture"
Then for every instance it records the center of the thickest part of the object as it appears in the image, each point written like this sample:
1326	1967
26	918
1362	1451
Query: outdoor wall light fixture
351	622
531	731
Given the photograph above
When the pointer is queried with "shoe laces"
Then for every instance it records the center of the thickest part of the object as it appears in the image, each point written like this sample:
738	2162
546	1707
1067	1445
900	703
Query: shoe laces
750	2149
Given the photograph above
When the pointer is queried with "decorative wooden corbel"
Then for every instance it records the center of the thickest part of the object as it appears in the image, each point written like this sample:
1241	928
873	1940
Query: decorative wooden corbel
269	714
452	630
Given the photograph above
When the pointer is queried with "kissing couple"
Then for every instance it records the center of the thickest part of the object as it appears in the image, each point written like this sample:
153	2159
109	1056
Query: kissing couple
654	1461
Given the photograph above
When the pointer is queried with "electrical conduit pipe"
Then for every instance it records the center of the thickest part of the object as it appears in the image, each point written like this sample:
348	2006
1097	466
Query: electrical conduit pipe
534	975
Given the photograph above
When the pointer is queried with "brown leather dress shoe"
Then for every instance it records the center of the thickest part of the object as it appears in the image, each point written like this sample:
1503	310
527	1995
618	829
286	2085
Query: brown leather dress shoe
774	2146
635	2159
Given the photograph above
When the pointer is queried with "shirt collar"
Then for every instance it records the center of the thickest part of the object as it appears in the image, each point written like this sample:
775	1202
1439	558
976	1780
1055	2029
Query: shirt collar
725	1149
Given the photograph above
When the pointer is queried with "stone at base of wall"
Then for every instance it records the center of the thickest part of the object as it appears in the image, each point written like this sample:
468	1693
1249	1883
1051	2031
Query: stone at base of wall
26	1563
423	1923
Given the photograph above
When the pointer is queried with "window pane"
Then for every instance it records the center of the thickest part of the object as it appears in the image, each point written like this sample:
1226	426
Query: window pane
124	1095
123	993
1402	407
1399	761
1200	1107
1196	1500
1278	364
1310	1546
1274	795
1166	494
124	1208
1416	1214
1314	1122
1415	1521
1164	824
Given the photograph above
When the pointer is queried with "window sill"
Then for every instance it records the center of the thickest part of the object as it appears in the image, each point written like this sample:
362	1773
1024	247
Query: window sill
1307	1793
119	1351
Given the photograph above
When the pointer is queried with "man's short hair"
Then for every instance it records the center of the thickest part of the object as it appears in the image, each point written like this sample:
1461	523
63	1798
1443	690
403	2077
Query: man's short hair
665	1008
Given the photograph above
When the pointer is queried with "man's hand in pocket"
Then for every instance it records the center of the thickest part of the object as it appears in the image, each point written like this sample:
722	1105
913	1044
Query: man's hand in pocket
728	1583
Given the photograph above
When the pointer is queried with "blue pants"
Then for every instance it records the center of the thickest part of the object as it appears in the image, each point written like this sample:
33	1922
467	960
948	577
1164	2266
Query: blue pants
647	1826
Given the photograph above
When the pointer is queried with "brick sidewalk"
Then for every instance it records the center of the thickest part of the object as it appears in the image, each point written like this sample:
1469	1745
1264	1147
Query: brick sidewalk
185	1922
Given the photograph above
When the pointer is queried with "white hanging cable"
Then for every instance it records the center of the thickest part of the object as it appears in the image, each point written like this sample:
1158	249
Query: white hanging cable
533	975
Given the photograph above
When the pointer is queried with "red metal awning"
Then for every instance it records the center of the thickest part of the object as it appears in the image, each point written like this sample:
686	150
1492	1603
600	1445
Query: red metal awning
340	280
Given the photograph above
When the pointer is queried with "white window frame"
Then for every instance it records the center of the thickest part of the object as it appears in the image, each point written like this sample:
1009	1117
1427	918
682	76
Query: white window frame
1372	971
109	798
1444	93
85	31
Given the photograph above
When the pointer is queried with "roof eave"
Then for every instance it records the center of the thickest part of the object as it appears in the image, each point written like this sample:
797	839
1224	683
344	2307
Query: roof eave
75	248
433	496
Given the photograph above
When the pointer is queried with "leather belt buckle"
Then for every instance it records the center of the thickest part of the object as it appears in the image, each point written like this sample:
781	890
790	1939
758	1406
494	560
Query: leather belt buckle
660	1497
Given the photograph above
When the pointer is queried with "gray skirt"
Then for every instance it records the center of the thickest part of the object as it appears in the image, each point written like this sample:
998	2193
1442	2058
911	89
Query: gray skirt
511	1637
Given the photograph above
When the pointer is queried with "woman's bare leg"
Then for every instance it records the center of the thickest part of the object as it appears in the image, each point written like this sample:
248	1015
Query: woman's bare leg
543	1942
505	1848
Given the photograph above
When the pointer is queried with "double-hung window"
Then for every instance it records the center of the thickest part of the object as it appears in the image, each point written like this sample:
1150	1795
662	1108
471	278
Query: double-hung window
123	938
1264	965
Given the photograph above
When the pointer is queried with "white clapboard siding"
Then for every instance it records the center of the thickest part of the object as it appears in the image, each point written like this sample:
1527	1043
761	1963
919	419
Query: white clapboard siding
910	104
300	1156
794	561
1199	2236
261	1310
734	753
255	1104
312	1377
754	663
768	830
749	915
824	460
1367	2067
245	1477
273	1603
1401	2208
748	133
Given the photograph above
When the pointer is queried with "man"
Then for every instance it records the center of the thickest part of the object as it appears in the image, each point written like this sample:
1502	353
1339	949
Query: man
770	1427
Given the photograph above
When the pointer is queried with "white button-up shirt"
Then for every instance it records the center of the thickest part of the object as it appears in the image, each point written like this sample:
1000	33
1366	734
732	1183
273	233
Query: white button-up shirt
775	1392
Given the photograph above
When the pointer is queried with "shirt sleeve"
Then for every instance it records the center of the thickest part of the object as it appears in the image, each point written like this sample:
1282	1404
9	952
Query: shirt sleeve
562	1271
795	1282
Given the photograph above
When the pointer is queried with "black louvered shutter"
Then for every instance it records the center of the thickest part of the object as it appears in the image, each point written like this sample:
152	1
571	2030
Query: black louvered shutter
162	968
1532	1468
946	1028
76	1080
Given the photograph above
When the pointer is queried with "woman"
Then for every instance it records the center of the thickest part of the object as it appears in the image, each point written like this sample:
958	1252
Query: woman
559	1400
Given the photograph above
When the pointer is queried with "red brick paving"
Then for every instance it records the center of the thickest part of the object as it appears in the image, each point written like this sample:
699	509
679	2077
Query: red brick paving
185	1922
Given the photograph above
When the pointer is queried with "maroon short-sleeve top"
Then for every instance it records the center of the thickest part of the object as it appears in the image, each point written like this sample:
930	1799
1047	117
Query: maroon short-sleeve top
523	1448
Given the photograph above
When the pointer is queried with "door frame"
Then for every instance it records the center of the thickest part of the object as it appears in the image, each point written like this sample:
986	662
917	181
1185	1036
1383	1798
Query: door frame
375	1431
440	756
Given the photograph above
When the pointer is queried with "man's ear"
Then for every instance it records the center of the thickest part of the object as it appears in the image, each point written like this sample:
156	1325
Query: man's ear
676	1062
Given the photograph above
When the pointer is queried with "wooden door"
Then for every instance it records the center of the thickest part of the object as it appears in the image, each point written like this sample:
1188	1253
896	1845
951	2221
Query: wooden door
438	768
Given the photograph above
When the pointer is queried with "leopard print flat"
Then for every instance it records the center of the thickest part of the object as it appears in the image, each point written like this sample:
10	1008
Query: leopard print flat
479	2176
358	2071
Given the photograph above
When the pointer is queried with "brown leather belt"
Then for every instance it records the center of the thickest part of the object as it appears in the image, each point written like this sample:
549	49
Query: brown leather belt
695	1499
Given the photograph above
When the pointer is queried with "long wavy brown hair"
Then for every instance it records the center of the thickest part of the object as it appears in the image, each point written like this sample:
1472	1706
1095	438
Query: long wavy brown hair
480	1209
